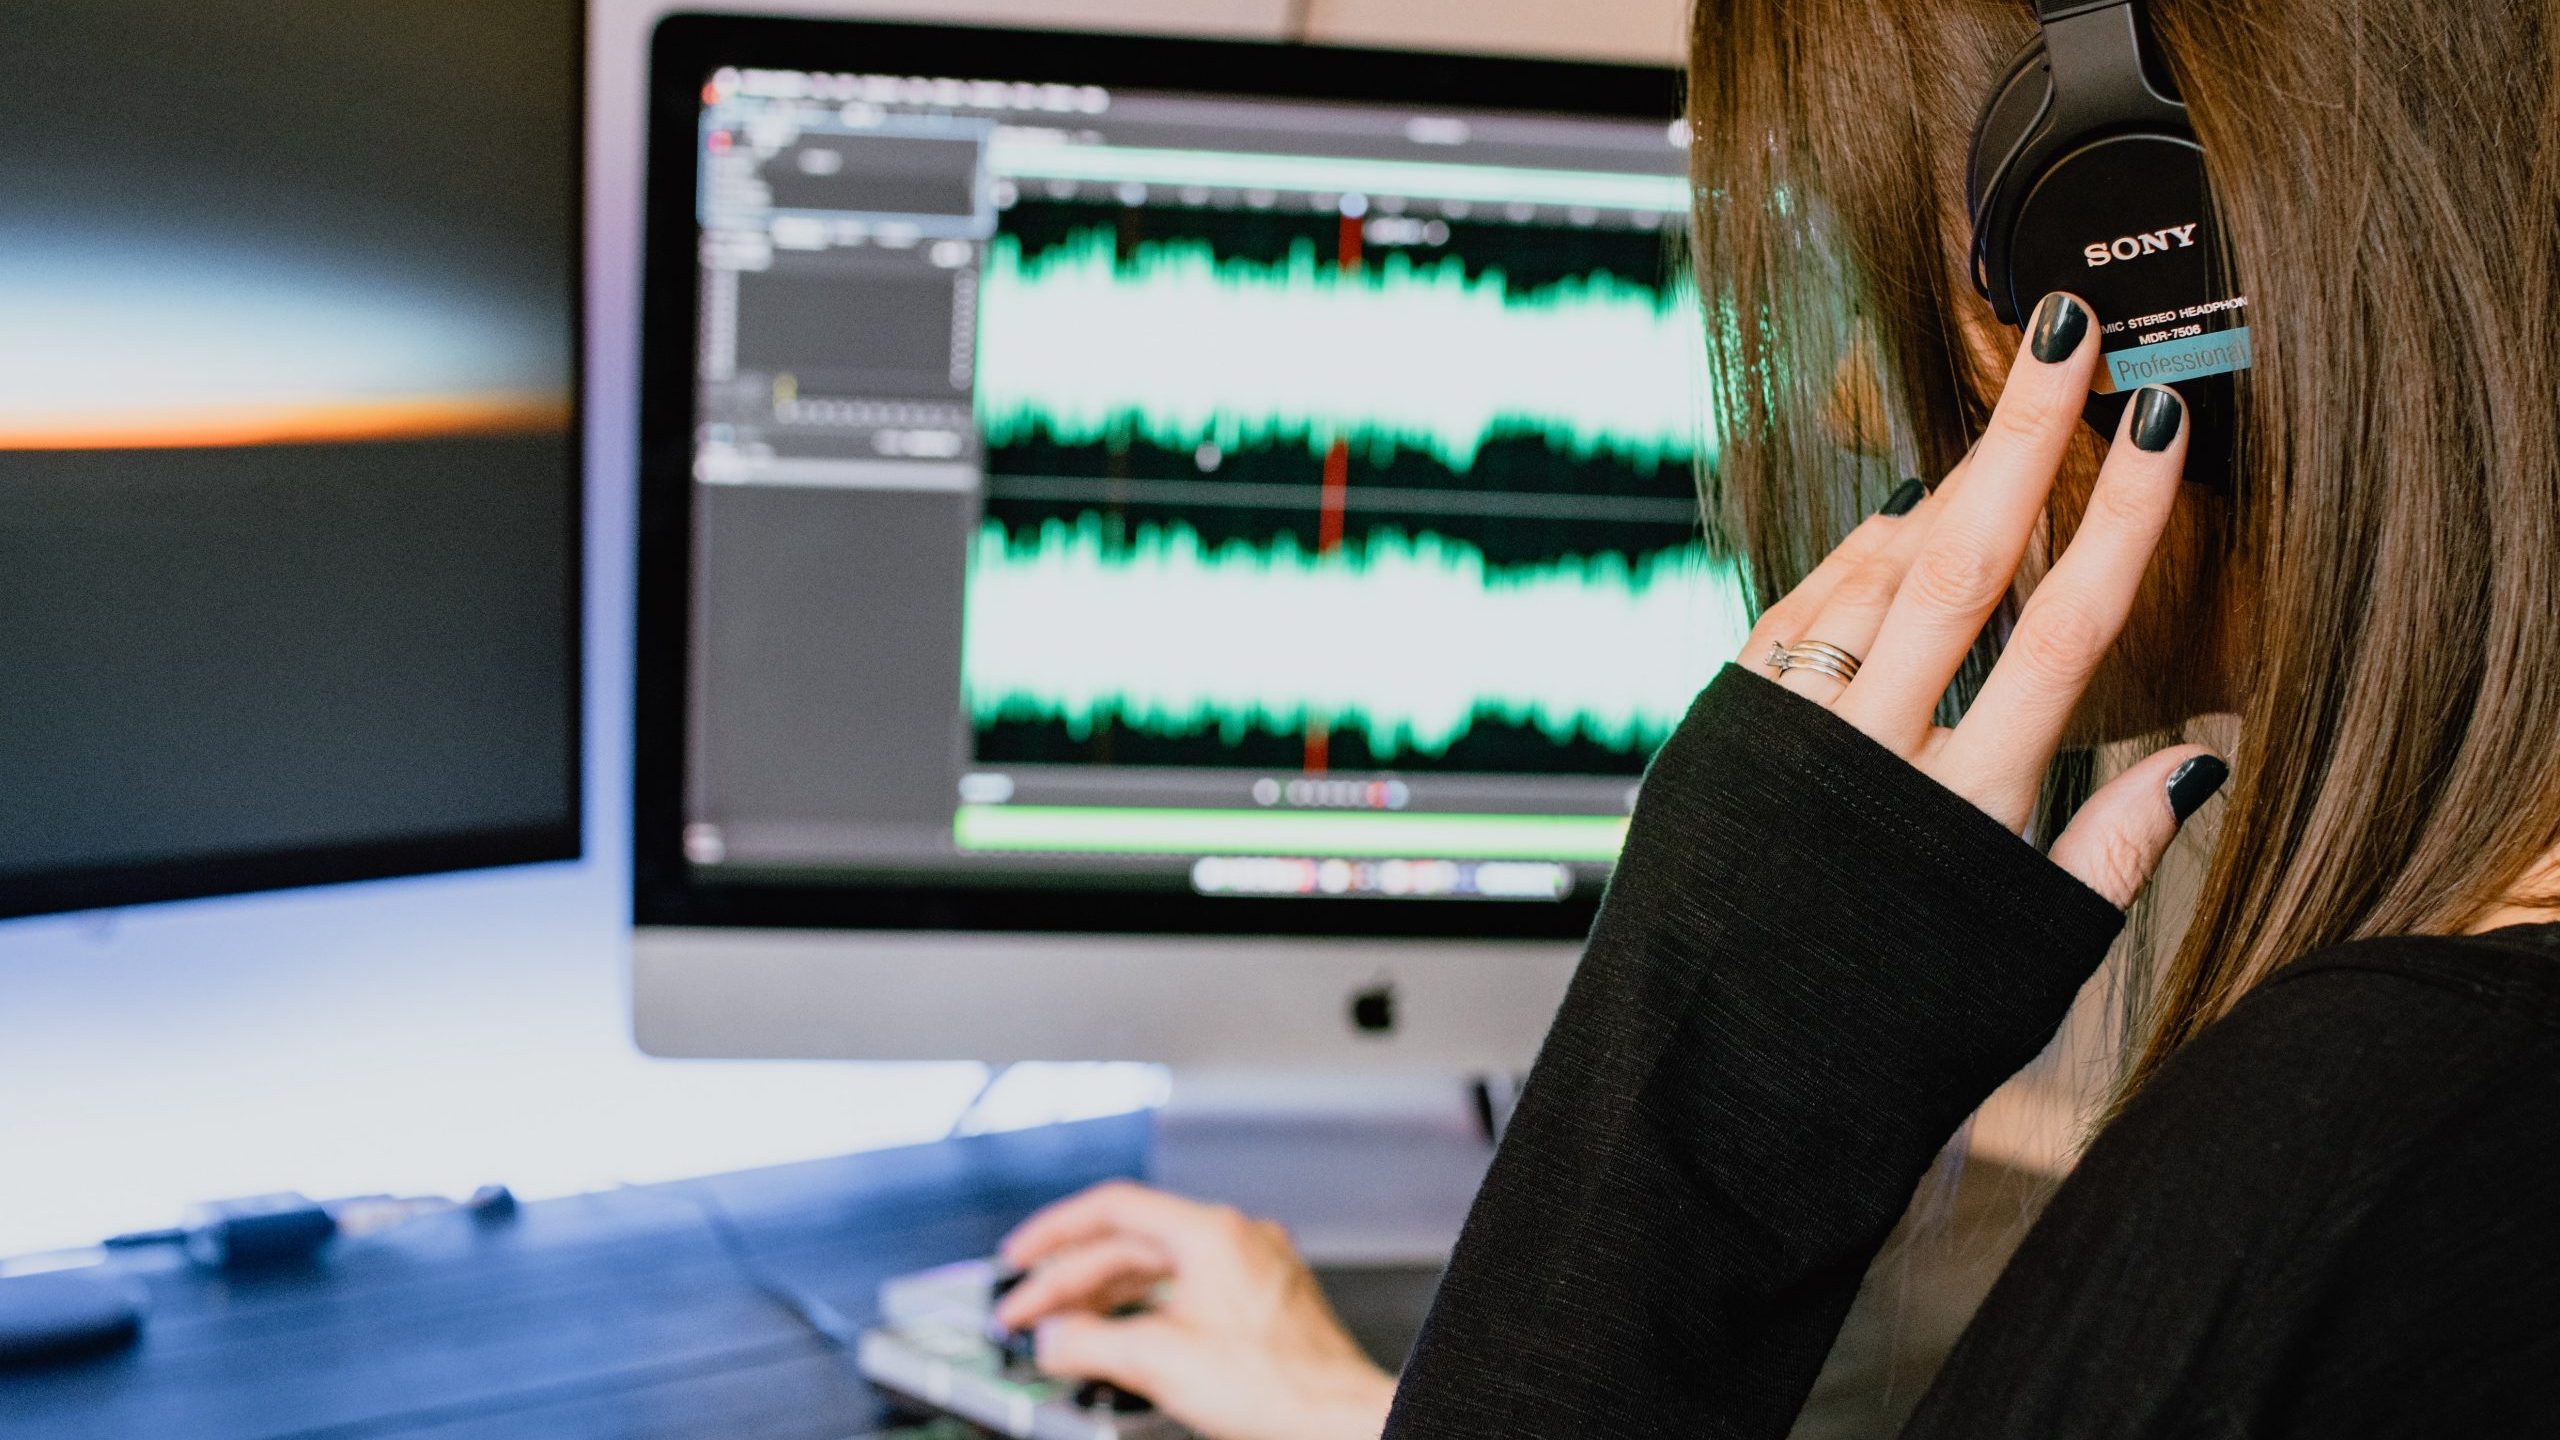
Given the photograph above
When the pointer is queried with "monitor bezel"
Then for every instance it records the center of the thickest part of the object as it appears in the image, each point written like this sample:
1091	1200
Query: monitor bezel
686	48
72	889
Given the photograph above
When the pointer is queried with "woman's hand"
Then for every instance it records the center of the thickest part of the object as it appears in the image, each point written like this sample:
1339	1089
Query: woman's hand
1237	1342
1907	594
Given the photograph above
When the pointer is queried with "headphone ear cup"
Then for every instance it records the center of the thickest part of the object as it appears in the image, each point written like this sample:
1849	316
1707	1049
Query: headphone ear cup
2102	191
2127	223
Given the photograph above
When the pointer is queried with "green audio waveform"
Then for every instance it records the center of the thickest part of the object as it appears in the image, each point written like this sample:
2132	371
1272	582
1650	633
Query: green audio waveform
1180	348
1410	639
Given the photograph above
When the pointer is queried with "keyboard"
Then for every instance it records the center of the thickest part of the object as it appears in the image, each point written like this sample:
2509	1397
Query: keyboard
937	1346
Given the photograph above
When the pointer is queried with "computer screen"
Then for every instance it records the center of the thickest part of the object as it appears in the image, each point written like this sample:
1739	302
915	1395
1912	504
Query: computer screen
289	482
1111	470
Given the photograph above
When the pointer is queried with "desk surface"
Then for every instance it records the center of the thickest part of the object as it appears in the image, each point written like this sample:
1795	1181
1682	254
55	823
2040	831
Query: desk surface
607	1315
621	1314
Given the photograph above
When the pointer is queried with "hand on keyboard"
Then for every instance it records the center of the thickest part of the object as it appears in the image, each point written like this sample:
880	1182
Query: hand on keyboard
1234	1339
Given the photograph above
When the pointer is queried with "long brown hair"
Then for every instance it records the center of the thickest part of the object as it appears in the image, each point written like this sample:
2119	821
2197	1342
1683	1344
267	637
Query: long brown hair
2389	184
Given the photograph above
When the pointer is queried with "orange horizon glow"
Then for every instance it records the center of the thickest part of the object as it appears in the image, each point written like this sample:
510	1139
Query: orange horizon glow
204	427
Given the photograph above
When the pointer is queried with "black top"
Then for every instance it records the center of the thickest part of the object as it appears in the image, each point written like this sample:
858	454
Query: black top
2331	1215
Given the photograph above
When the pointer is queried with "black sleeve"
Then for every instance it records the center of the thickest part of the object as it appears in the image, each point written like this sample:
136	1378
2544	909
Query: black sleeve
1812	964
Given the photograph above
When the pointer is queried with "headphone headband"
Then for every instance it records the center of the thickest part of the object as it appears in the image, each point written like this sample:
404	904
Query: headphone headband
2102	70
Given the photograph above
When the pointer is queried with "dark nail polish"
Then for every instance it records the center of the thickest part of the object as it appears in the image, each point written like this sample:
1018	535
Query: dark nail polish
1905	497
2157	414
1103	1395
2194	783
2061	324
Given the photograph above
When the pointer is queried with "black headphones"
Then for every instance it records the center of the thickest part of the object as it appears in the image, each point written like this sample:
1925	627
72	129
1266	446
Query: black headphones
2086	176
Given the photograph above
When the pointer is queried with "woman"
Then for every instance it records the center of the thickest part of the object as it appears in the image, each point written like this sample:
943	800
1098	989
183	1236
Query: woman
2321	1206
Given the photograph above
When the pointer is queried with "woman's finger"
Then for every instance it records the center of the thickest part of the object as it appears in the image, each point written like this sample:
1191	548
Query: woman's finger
2117	839
1081	1218
1143	1354
1857	605
1121	1207
1784	622
1996	758
1975	546
1098	1275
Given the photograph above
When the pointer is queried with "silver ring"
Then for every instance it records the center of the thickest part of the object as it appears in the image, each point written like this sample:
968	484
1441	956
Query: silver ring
1822	666
1819	656
1809	648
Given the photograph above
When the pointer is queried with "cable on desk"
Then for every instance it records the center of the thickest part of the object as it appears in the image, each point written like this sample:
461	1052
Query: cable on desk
823	1320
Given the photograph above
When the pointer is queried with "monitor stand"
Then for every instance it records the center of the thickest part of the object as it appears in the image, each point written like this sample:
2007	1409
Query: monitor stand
1365	1170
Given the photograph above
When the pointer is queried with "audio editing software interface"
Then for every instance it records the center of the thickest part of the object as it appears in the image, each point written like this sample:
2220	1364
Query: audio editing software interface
1155	490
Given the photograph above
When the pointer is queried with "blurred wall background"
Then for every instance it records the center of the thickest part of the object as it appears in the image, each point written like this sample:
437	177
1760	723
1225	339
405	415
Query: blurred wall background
434	1034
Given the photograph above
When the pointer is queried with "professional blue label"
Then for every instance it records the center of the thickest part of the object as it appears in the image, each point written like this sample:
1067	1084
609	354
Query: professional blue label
2190	358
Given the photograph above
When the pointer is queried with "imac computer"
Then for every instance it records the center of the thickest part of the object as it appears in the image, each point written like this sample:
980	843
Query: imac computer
1152	549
